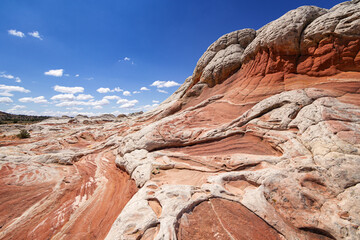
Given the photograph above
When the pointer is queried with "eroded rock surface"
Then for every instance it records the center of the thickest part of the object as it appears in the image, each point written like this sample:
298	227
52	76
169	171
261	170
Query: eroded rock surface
261	142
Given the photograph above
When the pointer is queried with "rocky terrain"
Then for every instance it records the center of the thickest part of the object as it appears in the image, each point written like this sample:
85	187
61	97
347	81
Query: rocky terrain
261	142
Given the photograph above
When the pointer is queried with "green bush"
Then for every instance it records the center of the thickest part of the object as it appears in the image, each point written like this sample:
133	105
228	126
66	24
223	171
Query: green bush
24	134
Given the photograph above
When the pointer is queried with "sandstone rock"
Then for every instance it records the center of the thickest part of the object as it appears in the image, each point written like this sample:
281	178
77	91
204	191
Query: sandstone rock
282	36
222	58
342	20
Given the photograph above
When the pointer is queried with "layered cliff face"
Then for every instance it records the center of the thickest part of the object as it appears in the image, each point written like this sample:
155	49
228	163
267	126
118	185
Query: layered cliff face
261	142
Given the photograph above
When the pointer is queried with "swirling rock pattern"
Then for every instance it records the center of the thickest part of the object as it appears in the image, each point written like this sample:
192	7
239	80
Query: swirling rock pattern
261	142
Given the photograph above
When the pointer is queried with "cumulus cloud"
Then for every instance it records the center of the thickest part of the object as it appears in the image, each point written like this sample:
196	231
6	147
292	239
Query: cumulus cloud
15	108
35	34
97	107
67	113
16	33
75	108
117	89
18	107
5	90
103	90
162	91
135	92
126	93
63	97
129	104
106	90
5	100
6	94
40	99
72	90
77	75
155	101
122	101
166	84
84	97
8	76
69	97
144	89
127	59
125	103
83	103
112	97
55	72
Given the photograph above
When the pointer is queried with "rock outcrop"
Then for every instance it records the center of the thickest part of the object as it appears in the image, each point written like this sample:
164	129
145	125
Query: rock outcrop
261	142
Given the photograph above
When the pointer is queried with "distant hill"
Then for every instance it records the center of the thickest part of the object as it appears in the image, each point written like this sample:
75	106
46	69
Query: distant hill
7	118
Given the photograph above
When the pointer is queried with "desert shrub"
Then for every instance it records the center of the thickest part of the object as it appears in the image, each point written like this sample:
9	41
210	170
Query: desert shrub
23	134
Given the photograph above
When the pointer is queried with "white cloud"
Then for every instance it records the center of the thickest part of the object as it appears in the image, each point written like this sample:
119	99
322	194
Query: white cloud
67	113
72	90
89	103
147	107
106	90
126	93
77	75
162	91
129	104
144	89
5	100
6	94
63	97
75	108
16	33
113	97
18	107
67	75
35	34
69	97
125	103
5	90
98	107
8	76
162	84
15	108
117	89
103	90
135	92
122	101
40	99
155	101
84	97
126	59
55	72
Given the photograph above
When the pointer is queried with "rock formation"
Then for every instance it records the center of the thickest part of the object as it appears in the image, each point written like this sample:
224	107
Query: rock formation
261	142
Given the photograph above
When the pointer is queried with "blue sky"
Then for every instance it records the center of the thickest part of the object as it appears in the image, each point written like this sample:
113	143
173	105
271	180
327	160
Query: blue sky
68	57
